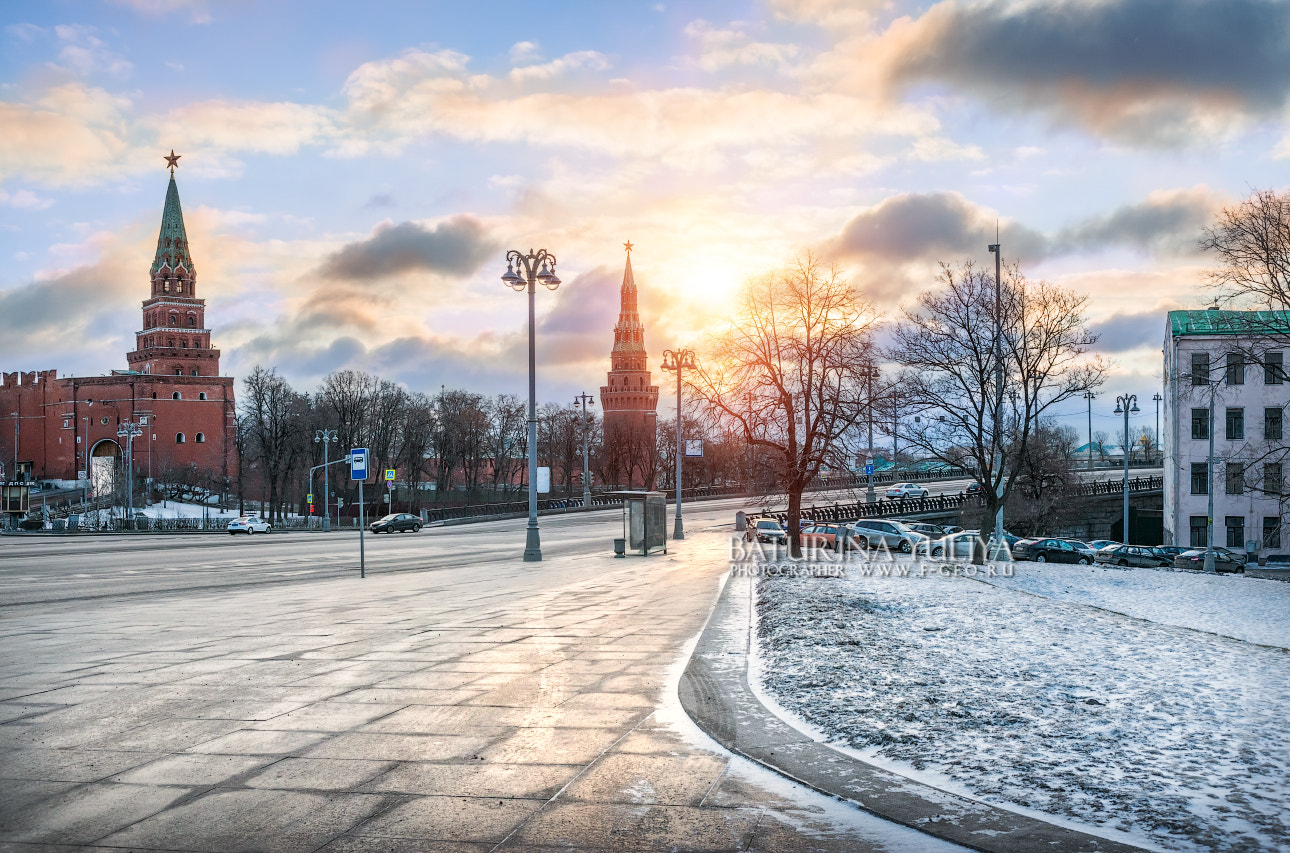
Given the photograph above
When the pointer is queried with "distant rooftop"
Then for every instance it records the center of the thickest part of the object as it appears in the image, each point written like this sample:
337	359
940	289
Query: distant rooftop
1212	322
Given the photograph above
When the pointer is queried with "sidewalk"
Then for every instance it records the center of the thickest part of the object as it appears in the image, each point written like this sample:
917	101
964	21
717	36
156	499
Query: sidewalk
528	708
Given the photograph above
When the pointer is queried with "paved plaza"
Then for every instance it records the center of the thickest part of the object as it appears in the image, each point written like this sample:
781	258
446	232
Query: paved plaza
456	699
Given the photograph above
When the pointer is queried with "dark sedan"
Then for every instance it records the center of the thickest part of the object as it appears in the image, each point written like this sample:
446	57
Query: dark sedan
396	523
1050	551
1224	560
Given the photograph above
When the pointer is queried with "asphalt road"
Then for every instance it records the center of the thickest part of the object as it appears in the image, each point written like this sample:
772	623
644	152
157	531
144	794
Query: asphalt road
50	569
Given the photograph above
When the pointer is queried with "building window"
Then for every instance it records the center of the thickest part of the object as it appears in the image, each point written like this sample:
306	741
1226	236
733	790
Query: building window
1235	424
1200	478
192	321
1200	423
1235	368
1235	478
194	373
200	438
201	396
1235	531
1273	478
178	372
1273	420
179	287
174	319
166	286
1273	368
176	396
179	438
1271	531
170	343
1200	368
1199	531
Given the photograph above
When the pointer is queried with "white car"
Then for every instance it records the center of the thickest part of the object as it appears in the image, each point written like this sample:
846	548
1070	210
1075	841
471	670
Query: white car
249	524
906	490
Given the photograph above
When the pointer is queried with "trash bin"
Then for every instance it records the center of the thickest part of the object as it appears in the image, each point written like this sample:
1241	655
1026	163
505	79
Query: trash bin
73	523
59	525
620	547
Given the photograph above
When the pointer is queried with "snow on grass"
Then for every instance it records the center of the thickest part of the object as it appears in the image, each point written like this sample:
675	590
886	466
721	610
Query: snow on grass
1251	609
1168	734
176	509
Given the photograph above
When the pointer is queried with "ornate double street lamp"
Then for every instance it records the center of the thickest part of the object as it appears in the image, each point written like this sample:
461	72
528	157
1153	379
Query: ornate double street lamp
682	359
128	430
1122	406
584	402
533	268
326	436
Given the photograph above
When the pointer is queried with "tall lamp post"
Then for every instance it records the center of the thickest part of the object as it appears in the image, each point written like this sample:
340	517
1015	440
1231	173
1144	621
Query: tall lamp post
584	402
536	267
1126	404
326	437
128	430
1089	395
680	361
1158	398
996	249
869	371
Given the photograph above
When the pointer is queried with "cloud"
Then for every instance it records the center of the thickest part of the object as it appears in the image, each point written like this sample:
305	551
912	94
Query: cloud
723	47
69	134
233	126
84	53
24	200
457	246
1168	222
523	51
590	60
1151	72
1130	330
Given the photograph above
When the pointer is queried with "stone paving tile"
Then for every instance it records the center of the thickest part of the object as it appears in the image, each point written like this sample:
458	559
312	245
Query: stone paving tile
429	679
476	819
65	765
169	735
246	820
529	781
406	696
87	813
19	801
677	780
10	711
640	827
394	747
378	844
192	770
319	774
329	716
551	745
259	742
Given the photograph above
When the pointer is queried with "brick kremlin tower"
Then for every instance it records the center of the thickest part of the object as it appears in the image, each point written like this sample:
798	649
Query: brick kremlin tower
174	340
630	400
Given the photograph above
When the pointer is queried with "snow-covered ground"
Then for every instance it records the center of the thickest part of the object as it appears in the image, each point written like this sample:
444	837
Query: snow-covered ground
1174	736
1250	609
175	509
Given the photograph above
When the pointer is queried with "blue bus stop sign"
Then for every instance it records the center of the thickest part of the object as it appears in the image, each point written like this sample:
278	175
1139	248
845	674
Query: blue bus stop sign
868	469
358	463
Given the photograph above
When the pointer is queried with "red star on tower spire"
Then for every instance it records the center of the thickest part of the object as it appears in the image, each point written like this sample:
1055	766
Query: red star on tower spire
172	161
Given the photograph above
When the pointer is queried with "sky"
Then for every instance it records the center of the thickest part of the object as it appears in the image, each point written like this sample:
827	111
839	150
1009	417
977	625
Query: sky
352	175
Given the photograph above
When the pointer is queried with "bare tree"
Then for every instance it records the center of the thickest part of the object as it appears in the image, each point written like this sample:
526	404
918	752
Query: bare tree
1250	243
946	343
796	344
275	416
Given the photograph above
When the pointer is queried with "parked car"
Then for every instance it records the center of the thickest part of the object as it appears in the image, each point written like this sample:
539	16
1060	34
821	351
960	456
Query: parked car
901	491
1099	544
1135	555
1171	550
249	524
1009	538
963	544
768	530
1084	548
1224	560
825	536
396	523
896	535
935	531
1050	551
973	490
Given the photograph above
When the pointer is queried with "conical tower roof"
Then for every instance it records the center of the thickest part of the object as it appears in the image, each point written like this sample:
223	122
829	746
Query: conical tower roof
172	242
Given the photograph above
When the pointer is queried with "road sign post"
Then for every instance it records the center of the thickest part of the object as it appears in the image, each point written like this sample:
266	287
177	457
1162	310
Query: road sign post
358	471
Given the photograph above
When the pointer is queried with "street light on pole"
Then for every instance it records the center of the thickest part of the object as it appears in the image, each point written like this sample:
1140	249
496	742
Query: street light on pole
1089	395
1157	398
1126	404
680	360
326	436
996	250
870	372
536	267
128	430
584	402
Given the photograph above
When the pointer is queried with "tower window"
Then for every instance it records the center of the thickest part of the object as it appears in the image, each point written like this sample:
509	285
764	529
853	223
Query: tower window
201	396
170	343
179	438
178	372
179	287
177	395
192	321
165	286
194	373
200	438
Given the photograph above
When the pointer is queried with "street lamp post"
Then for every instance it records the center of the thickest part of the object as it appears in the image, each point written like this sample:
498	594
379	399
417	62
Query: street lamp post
870	372
997	250
536	267
1126	404
1089	395
584	402
326	436
128	430
1157	398
680	361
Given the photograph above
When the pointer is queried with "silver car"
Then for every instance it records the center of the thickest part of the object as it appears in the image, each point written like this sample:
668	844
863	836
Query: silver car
897	535
249	524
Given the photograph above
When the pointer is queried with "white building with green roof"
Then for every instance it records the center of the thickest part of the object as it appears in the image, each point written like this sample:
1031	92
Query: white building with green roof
1224	374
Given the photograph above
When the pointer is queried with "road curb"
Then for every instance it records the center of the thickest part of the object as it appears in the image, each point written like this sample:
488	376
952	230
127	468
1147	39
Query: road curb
715	692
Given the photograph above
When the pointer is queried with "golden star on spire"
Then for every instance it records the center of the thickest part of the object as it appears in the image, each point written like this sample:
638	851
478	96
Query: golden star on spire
628	246
172	161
